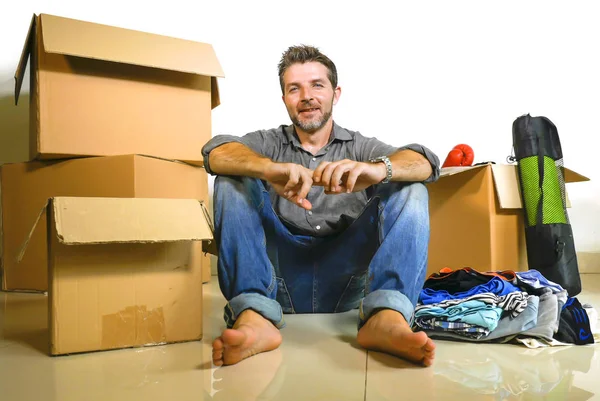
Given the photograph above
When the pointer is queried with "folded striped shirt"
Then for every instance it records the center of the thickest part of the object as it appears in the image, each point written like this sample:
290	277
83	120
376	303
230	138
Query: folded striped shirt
466	330
514	302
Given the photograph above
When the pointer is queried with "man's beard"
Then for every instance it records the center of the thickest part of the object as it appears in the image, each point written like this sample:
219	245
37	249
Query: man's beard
312	125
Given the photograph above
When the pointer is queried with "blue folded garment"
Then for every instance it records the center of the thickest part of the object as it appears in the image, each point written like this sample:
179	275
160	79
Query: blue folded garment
496	286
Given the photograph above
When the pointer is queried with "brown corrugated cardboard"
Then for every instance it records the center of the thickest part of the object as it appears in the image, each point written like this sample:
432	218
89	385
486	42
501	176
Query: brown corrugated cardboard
120	274
27	186
81	221
98	90
477	219
14	125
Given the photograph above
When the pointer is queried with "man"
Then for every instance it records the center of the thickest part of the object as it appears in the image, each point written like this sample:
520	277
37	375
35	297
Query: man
313	218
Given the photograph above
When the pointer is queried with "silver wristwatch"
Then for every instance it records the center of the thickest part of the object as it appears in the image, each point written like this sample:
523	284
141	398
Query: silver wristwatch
388	167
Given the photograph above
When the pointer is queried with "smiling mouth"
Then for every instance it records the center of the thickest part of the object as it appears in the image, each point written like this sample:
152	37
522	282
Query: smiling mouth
309	110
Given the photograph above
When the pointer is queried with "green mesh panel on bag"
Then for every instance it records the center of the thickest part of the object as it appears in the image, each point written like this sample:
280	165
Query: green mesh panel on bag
553	208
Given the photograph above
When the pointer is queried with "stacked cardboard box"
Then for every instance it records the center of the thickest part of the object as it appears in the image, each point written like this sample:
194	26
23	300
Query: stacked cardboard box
114	113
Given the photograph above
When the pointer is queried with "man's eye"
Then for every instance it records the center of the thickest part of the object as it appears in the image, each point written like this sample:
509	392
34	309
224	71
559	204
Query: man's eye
292	89
319	85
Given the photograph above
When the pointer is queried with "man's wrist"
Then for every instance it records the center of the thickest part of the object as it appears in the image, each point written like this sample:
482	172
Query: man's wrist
383	170
266	165
387	168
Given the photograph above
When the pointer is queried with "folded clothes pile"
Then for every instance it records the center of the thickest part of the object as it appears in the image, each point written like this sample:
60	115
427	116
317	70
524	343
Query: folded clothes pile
502	307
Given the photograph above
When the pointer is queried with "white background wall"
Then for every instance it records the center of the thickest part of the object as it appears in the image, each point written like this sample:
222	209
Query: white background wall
435	72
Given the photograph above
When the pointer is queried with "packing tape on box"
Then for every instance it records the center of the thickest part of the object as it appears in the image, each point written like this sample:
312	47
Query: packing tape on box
133	326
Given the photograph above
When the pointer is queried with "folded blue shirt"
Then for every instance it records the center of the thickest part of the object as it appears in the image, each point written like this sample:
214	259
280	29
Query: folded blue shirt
535	279
496	286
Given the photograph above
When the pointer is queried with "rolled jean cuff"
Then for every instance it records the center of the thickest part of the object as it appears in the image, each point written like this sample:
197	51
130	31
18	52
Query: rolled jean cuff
385	299
266	307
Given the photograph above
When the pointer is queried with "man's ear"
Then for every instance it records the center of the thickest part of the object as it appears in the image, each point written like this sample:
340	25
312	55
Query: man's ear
337	92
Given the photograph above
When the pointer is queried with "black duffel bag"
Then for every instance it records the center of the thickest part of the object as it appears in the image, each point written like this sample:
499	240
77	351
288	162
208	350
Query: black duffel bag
548	233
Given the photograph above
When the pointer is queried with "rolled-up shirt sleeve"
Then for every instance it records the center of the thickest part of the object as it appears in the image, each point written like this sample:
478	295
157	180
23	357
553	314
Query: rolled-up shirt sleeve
370	148
256	141
431	158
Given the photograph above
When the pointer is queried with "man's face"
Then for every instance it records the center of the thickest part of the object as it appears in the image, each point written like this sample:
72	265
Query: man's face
308	95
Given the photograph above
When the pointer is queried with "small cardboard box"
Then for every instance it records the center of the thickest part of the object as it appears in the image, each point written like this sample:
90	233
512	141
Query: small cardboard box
476	218
26	187
98	90
120	272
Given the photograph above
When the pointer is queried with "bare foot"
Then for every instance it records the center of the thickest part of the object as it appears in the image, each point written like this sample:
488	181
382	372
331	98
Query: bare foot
251	334
387	331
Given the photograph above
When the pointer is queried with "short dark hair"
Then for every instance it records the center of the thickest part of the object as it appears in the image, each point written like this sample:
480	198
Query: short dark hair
304	54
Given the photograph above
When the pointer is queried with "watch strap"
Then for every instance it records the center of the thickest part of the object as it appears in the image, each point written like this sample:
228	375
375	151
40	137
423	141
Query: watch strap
388	167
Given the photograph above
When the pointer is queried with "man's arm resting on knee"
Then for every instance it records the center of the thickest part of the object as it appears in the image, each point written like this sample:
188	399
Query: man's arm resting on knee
408	165
291	181
234	158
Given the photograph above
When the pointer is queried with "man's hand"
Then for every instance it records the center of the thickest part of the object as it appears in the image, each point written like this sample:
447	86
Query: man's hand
348	176
291	181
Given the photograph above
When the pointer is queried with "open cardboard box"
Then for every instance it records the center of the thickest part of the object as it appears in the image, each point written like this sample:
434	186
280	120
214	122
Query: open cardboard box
476	218
120	274
26	187
98	90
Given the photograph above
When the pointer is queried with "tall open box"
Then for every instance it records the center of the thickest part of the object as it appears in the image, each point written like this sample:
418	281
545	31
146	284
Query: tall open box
476	218
120	273
98	90
25	188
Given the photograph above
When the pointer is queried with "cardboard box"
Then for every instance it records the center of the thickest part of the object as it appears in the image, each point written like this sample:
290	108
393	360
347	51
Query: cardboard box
98	90
477	218
120	272
26	187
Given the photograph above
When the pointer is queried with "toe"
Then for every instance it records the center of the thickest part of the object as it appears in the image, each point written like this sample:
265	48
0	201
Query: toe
217	351
427	361
429	346
217	344
217	354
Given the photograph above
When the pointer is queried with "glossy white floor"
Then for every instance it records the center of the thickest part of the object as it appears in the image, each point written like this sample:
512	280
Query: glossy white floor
319	360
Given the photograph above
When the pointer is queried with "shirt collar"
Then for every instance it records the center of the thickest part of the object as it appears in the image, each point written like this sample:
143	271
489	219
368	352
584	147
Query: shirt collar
339	133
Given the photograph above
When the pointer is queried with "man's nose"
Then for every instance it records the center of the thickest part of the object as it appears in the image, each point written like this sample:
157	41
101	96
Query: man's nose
306	94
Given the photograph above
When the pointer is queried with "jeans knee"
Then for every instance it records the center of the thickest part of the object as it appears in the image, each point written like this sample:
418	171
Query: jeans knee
417	193
228	187
226	184
411	200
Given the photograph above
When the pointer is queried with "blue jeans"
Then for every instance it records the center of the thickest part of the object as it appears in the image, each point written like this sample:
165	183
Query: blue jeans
378	262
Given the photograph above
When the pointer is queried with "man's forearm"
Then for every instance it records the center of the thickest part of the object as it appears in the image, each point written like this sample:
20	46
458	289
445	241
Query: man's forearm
408	165
233	158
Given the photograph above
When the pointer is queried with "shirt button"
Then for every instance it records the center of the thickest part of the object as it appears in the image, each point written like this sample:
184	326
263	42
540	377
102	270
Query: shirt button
310	212
314	159
318	227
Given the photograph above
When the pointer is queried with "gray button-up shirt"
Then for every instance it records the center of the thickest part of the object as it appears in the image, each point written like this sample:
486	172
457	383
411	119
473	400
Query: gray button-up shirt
330	213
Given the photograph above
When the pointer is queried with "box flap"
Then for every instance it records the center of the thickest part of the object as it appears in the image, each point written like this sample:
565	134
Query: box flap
109	220
90	40
215	97
506	181
448	171
27	48
572	176
209	246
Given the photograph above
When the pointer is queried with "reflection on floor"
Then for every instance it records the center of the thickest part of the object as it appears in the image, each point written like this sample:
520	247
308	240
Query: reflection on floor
319	360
